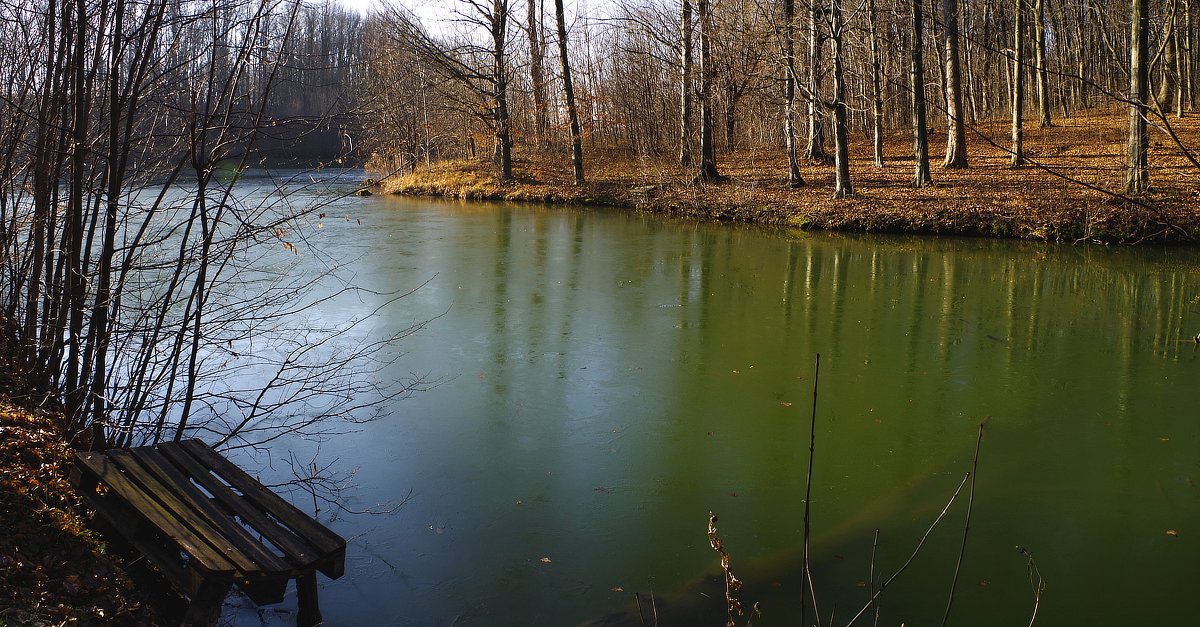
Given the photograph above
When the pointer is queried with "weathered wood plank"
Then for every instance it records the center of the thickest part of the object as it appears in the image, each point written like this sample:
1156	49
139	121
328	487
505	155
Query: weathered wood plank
171	501
207	559
181	484
299	553
326	541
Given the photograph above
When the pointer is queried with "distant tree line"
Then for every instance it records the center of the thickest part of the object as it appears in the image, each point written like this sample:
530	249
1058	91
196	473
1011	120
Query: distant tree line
688	79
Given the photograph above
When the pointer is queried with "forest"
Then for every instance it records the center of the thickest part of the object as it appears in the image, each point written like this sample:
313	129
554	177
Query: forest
691	82
168	165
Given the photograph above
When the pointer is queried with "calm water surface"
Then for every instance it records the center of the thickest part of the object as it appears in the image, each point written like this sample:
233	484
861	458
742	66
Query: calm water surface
608	380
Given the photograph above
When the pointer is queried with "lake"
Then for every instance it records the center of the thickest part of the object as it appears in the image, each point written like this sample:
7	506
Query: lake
605	380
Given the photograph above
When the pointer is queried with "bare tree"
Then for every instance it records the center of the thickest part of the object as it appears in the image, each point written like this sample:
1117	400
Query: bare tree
921	176
842	187
956	141
789	92
685	82
1137	177
708	150
1018	82
569	94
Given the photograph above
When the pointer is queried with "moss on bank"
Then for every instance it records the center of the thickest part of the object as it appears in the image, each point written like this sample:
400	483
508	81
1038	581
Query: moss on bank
1057	197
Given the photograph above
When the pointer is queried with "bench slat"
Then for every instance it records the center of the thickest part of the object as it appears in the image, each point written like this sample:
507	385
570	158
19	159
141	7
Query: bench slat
206	559
180	483
171	501
325	540
298	552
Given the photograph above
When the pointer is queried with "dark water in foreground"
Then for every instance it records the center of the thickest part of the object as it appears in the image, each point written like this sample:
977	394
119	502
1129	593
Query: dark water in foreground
610	379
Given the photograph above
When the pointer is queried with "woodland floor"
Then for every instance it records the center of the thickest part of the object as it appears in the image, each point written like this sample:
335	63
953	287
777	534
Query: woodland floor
53	569
1070	189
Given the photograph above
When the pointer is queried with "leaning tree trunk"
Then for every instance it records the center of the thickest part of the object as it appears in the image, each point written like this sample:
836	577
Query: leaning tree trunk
921	177
789	92
956	141
1137	178
842	186
685	82
569	94
1018	83
708	150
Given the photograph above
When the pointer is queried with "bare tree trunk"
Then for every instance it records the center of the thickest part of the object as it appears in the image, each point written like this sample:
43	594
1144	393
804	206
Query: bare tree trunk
685	83
537	72
1189	54
842	186
876	85
1043	72
1179	65
502	149
1018	82
972	86
921	177
569	93
956	141
1137	178
708	150
789	92
815	149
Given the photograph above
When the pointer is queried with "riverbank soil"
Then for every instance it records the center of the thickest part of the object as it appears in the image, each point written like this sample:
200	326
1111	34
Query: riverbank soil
1069	190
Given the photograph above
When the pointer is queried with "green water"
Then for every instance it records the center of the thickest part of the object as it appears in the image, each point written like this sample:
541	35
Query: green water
608	380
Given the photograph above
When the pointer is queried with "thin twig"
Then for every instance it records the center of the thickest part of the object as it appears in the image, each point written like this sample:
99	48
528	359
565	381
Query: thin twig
962	550
806	578
1038	585
871	581
916	550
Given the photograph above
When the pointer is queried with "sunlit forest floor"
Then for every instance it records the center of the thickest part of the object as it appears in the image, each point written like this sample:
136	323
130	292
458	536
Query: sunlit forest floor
1070	189
53	570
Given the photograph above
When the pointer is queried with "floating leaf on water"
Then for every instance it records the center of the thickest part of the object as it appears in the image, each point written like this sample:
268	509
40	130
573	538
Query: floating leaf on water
617	589
1172	532
785	403
545	560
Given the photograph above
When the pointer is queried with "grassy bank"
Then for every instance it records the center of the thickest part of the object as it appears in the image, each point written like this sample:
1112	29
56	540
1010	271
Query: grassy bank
1058	196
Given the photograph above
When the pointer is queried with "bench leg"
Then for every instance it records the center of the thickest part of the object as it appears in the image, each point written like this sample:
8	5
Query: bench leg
306	590
205	608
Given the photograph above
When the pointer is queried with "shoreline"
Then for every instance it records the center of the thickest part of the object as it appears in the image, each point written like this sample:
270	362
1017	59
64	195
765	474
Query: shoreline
1055	198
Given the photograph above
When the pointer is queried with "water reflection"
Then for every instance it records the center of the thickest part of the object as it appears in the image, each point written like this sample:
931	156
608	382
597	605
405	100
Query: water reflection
616	377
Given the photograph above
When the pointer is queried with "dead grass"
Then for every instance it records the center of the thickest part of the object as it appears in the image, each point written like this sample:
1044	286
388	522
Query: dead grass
1049	199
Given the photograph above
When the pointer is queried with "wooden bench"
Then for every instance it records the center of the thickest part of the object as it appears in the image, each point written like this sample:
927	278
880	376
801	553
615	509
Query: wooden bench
207	525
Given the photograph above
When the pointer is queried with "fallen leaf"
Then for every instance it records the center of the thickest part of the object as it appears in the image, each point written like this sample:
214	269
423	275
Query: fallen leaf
860	584
617	589
983	583
1172	532
785	403
545	560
